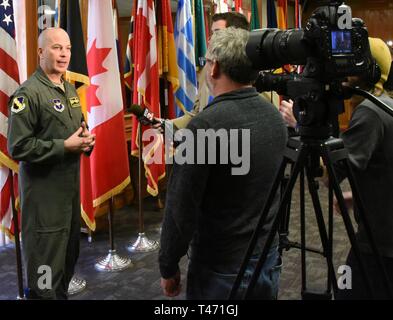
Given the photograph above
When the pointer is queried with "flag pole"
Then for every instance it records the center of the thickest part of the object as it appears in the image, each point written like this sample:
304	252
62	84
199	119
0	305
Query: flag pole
112	262
21	295
142	244
164	110
76	285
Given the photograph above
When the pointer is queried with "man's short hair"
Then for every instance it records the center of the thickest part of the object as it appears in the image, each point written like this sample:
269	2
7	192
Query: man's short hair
228	48
233	19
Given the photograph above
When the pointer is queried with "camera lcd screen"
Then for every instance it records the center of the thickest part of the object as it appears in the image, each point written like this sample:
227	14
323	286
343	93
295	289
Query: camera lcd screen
341	42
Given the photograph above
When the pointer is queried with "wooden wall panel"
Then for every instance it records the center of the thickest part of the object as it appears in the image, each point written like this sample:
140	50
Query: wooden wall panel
124	28
377	15
83	6
31	36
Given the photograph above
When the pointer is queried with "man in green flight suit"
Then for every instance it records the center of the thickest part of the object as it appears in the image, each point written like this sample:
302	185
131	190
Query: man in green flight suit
47	134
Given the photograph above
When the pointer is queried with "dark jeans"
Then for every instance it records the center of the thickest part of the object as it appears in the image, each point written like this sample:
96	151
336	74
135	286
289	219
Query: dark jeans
206	283
359	291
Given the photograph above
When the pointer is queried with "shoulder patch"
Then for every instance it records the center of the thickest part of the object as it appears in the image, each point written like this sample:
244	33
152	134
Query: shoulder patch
18	104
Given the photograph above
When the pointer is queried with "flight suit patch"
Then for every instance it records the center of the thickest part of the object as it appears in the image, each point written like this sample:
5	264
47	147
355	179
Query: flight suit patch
74	102
18	105
58	106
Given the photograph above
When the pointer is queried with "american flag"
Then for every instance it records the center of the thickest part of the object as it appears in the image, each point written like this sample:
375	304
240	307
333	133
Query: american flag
9	82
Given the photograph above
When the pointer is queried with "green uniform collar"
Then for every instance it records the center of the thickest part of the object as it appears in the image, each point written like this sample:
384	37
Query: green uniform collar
41	75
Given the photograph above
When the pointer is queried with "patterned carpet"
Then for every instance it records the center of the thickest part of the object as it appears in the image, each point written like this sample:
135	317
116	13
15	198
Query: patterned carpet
142	280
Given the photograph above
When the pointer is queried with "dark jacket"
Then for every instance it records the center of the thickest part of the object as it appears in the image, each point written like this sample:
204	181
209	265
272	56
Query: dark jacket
369	142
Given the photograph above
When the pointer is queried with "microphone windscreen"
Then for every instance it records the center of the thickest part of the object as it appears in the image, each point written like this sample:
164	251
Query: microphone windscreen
137	110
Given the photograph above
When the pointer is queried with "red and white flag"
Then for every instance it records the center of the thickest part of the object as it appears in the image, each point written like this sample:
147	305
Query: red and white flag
146	91
9	82
239	6
222	6
105	173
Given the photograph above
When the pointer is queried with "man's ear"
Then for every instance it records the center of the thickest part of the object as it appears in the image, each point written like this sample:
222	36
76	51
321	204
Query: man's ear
215	70
39	52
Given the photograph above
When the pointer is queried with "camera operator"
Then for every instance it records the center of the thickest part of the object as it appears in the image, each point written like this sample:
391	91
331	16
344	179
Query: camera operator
208	206
388	85
286	110
369	143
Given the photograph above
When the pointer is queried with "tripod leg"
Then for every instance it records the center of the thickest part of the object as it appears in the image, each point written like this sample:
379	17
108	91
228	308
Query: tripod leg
299	165
321	225
303	231
344	213
362	213
254	237
284	224
330	200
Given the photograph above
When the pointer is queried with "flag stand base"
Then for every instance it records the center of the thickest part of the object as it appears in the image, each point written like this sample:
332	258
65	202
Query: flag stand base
113	262
76	285
143	244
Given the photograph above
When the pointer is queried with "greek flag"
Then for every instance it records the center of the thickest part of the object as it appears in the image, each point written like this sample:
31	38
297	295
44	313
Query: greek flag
186	93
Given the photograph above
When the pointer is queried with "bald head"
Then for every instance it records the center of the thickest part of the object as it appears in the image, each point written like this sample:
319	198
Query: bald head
54	50
50	35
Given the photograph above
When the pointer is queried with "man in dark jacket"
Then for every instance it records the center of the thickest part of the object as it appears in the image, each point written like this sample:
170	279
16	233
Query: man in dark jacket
47	134
368	140
213	204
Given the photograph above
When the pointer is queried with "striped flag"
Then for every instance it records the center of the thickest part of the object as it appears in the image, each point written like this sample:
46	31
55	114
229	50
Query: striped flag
146	91
186	94
105	173
239	6
129	59
167	62
200	33
271	14
282	14
222	6
254	23
9	82
298	15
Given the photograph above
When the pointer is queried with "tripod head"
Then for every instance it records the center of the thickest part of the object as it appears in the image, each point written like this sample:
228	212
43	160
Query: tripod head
316	104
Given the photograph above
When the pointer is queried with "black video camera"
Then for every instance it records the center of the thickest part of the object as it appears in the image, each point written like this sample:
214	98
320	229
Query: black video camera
337	43
332	46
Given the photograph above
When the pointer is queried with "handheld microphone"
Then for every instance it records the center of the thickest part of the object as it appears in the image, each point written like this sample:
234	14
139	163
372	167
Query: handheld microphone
144	115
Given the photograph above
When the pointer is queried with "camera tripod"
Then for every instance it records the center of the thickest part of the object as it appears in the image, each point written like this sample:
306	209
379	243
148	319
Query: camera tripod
304	153
286	244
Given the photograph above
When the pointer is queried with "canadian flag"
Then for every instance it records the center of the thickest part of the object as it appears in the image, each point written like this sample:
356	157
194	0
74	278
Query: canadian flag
105	173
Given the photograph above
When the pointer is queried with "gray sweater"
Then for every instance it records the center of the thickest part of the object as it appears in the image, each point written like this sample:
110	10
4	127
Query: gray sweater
210	209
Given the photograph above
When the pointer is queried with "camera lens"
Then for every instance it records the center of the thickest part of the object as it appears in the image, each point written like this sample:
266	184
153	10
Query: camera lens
272	48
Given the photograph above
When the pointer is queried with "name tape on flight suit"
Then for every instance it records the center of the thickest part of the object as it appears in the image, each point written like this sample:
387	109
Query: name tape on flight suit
74	102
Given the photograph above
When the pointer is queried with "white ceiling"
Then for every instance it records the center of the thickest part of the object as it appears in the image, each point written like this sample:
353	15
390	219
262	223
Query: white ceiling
125	6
